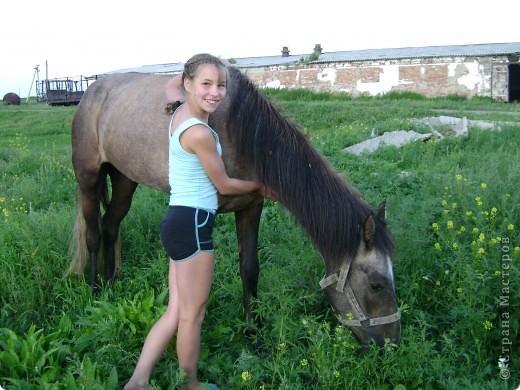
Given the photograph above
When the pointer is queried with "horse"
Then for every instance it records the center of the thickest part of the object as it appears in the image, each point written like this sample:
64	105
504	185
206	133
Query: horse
120	132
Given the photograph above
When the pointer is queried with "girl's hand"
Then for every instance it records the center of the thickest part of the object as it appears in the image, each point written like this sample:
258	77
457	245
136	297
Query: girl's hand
267	193
173	90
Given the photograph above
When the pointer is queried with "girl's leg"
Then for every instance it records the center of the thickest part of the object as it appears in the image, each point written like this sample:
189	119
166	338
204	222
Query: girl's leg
159	337
193	283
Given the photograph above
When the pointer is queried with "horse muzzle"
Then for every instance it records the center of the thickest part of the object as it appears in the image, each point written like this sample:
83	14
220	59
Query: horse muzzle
379	329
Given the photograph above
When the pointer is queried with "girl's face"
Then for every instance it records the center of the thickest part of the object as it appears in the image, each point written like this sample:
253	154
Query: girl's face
208	88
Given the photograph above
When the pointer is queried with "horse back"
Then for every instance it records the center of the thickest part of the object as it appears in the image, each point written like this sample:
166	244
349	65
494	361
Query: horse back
121	121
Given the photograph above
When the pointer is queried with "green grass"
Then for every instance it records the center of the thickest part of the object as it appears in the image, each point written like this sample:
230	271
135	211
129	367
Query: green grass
453	208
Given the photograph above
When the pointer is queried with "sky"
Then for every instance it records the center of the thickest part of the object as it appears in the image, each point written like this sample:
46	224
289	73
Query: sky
72	38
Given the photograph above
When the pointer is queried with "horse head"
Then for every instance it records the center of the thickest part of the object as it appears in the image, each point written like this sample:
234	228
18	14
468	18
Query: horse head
361	290
353	239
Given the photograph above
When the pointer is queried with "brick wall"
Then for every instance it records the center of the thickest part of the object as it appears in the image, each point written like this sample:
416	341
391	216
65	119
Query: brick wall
428	76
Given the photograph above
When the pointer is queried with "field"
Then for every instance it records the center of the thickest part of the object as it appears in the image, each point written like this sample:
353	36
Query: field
453	207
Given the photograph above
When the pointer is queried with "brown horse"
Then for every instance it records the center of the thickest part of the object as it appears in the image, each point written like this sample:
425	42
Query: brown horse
120	130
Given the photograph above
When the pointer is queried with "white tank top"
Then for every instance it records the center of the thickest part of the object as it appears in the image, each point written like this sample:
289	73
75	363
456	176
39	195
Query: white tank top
190	185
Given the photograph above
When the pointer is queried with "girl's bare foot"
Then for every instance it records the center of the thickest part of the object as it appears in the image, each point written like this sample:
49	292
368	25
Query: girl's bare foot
136	386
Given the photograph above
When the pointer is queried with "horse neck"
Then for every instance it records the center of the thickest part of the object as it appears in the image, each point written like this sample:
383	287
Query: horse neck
279	155
328	208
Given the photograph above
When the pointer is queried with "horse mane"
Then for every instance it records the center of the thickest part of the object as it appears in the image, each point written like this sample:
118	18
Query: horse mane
330	210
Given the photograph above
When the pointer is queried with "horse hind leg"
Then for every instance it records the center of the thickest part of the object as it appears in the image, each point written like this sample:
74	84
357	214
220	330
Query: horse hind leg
116	209
87	236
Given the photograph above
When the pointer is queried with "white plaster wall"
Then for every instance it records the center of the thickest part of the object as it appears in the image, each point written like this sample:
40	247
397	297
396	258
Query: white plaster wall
274	84
388	78
472	76
327	75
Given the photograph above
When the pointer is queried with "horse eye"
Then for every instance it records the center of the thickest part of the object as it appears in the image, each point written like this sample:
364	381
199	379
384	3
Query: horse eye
376	286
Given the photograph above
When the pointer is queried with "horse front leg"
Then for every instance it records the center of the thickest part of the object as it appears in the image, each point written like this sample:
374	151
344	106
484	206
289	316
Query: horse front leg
247	224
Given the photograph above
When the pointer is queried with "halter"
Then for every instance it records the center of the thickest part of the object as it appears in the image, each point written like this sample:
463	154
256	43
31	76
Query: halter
340	277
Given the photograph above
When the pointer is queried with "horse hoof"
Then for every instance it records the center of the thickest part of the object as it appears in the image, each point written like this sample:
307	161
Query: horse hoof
96	289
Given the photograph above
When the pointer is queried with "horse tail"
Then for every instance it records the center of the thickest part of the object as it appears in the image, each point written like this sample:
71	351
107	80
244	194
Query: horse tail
78	243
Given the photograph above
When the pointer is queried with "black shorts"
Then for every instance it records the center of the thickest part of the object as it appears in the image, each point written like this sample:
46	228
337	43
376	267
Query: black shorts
185	231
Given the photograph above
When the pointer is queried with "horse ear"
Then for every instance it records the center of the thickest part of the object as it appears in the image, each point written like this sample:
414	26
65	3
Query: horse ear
381	211
369	230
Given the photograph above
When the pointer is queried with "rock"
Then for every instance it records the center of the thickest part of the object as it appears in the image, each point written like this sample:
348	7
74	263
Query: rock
486	125
393	138
451	126
458	126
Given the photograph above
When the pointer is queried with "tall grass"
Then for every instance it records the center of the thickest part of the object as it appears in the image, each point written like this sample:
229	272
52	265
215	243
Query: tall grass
452	207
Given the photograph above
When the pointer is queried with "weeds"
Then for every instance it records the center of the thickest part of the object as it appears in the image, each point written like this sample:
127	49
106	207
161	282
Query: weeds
452	207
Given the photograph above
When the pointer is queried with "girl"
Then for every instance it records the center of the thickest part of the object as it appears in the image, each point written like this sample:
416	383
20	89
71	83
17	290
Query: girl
196	173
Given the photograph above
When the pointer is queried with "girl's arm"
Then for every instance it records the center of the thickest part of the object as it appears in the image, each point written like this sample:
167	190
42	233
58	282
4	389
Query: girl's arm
173	90
199	140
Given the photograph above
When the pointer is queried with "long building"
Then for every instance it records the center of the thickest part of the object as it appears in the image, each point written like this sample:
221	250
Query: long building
491	70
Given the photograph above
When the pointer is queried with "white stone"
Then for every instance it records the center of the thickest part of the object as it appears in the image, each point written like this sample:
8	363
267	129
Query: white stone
393	138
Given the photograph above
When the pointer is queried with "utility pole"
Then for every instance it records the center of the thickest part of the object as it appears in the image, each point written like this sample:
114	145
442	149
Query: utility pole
36	71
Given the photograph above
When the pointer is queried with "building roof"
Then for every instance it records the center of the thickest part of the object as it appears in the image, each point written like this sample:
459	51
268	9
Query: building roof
480	50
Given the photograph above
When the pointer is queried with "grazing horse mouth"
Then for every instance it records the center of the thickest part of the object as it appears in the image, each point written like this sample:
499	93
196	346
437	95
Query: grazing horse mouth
357	318
361	319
